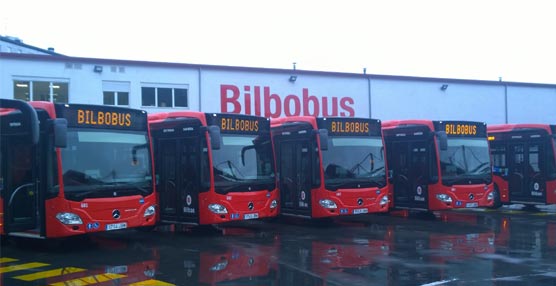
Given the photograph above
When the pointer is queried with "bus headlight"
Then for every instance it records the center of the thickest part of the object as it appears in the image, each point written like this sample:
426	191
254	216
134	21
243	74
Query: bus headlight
490	196
69	218
273	204
444	198
149	211
384	200
328	204
218	209
220	265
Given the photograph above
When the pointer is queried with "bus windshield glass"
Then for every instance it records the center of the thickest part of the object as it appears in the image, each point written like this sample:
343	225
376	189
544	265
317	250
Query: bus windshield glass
106	164
352	161
243	163
466	160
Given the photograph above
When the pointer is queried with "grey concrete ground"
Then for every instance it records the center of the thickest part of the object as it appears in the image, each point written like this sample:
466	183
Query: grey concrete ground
509	246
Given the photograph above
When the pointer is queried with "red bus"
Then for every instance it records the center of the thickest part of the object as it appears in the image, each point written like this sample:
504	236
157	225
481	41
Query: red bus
438	165
73	169
524	165
213	168
330	166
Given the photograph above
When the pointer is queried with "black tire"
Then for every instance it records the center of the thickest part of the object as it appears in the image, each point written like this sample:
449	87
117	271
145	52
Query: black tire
497	201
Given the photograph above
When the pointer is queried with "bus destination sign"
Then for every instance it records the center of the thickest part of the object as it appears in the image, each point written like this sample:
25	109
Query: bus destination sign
462	128
234	123
350	126
102	117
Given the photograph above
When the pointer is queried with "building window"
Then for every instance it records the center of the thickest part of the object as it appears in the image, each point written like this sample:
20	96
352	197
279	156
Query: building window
115	93
116	98
41	90
164	96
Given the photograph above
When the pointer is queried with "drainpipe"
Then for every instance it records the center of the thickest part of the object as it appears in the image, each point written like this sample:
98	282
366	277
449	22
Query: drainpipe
369	88
199	87
506	102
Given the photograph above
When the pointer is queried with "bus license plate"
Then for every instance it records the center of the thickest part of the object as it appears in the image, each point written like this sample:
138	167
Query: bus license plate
471	205
251	216
360	211
115	226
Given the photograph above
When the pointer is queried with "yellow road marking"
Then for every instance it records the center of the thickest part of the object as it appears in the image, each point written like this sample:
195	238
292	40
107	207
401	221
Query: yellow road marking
49	273
151	282
7	259
21	267
89	280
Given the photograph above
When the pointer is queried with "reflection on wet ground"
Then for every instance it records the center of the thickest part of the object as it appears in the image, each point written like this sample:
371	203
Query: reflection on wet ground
506	247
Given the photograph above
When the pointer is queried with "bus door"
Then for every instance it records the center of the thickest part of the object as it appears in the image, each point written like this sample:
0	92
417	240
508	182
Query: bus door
295	177
526	181
408	160
17	184
179	179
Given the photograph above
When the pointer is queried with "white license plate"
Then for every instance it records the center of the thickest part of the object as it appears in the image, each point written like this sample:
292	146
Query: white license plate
251	216
360	211
471	205
116	269
115	226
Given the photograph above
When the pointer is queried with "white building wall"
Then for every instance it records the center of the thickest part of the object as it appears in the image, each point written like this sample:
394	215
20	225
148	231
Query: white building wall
531	105
270	93
402	99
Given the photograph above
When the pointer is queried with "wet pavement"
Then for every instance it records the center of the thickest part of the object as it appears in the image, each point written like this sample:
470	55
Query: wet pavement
509	246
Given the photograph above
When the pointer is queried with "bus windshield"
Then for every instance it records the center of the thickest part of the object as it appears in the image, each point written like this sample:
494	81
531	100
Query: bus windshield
243	163
466	159
106	164
352	161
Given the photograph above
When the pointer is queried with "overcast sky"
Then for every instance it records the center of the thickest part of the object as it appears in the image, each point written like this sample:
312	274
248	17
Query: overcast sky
468	39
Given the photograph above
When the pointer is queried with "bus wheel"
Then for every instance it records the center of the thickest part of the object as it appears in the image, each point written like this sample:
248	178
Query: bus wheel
497	202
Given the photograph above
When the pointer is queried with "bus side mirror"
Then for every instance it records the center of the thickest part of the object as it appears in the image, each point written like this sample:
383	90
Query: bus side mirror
60	126
323	138
442	140
243	150
214	133
390	175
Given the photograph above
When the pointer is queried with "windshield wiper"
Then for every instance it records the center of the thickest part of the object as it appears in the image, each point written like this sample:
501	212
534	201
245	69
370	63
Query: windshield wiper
143	188
481	167
351	183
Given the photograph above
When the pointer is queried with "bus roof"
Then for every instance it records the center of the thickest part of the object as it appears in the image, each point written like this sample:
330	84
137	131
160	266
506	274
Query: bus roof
161	116
390	124
275	122
550	128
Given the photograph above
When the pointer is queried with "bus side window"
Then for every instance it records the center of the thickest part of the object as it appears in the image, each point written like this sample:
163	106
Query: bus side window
498	158
550	162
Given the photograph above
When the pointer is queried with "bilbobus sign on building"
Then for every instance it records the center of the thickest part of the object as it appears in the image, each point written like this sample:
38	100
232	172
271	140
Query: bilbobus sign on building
272	95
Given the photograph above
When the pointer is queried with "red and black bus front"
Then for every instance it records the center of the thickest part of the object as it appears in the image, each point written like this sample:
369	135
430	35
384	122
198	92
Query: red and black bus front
438	164
330	166
213	168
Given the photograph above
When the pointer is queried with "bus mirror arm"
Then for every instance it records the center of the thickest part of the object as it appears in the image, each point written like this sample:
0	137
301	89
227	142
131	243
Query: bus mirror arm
215	138
60	126
323	138
442	140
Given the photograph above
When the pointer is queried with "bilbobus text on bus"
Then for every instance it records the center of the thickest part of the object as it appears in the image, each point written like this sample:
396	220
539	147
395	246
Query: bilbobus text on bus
73	169
213	168
436	165
329	166
524	165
